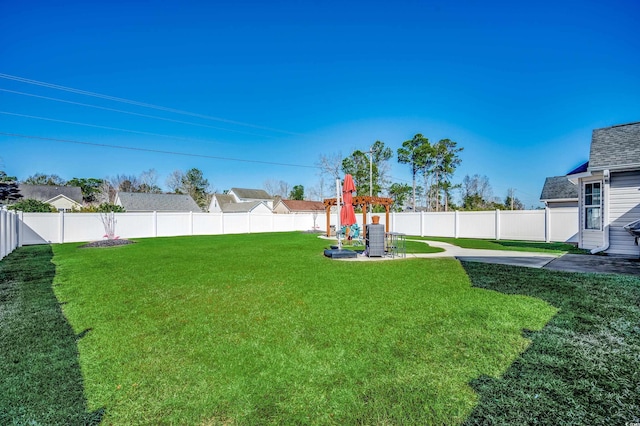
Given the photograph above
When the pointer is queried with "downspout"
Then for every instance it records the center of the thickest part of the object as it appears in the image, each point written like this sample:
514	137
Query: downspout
605	214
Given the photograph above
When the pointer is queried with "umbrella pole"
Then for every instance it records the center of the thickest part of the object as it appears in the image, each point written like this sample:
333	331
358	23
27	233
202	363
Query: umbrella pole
339	205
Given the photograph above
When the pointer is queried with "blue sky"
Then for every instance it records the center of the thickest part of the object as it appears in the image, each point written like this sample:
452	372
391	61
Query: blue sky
519	85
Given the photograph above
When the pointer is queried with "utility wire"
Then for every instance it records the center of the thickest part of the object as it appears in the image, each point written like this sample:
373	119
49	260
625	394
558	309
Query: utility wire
157	151
155	117
140	104
35	117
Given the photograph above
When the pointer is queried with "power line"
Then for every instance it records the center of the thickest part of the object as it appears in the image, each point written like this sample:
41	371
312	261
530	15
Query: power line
157	151
140	104
35	117
155	117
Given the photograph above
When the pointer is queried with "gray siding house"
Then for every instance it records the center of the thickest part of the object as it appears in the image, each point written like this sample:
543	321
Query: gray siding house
609	191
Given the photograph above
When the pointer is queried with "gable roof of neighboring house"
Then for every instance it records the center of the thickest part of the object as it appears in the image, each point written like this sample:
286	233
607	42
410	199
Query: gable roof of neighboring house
144	202
46	193
251	194
303	205
615	148
558	188
243	207
224	199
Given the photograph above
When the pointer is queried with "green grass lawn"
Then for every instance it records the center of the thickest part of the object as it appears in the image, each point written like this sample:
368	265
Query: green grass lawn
263	329
584	367
533	246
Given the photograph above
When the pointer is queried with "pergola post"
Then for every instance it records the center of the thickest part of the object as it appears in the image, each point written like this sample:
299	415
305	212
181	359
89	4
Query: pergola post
328	209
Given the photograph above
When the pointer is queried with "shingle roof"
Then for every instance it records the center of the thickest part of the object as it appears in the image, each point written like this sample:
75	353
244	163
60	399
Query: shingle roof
224	199
243	207
303	205
47	192
143	202
559	188
252	194
616	147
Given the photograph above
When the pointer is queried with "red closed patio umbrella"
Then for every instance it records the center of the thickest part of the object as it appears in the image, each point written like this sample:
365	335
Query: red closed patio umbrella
347	213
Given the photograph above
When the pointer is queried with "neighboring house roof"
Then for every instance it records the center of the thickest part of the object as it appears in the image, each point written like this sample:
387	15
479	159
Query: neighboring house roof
144	202
558	188
224	199
46	193
244	207
303	205
615	148
251	194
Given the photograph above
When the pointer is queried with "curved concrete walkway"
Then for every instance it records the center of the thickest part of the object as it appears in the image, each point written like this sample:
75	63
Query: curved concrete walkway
505	257
556	262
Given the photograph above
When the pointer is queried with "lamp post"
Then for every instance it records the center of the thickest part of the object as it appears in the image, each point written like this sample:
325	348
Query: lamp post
370	152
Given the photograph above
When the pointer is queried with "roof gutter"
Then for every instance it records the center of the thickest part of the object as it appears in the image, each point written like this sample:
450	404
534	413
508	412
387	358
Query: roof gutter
605	214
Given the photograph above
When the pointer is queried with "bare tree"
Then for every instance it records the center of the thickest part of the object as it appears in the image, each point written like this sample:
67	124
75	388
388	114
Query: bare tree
106	193
277	188
149	182
318	192
476	193
109	222
174	181
330	165
125	183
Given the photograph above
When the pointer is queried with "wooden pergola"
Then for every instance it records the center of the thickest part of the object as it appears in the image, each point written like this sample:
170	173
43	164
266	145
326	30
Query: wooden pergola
360	201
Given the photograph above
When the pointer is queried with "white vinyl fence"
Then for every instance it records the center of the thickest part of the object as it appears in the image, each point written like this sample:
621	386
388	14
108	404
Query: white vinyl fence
534	225
9	232
558	224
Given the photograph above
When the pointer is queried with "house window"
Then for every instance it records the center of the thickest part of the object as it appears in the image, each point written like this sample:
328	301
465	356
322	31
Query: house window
592	208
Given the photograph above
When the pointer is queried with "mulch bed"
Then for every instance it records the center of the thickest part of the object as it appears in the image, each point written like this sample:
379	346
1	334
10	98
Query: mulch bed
107	243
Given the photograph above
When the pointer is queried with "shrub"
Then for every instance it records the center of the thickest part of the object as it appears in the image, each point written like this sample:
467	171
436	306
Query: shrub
32	206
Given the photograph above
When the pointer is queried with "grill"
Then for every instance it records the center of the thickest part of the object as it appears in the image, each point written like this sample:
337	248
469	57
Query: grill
634	229
375	240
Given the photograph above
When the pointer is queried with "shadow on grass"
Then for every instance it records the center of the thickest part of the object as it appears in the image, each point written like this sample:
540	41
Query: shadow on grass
569	248
40	377
583	366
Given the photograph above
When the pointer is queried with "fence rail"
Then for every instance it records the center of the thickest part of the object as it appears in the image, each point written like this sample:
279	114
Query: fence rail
559	224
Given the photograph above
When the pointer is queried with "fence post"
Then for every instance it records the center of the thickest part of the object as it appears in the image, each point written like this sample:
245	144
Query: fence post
61	227
422	224
191	223
3	233
547	224
456	224
497	224
13	234
154	220
20	228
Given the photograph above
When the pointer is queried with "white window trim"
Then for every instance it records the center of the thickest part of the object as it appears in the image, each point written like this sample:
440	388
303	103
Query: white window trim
586	206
